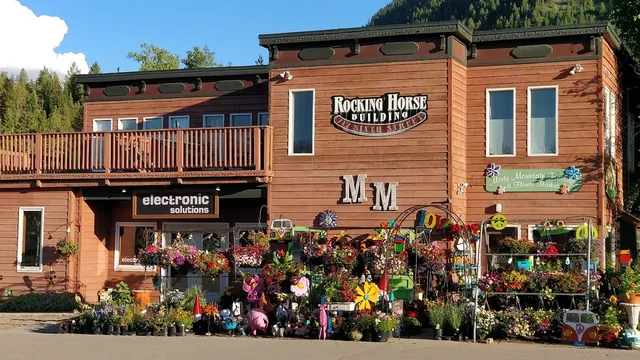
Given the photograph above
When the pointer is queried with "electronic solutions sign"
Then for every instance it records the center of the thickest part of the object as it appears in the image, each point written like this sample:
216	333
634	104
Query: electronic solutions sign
178	204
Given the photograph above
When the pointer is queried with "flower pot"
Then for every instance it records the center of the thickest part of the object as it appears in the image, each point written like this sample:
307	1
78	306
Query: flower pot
116	330
172	330
131	330
124	330
355	335
108	330
160	332
457	335
366	335
71	327
383	336
633	299
438	334
281	332
97	330
180	330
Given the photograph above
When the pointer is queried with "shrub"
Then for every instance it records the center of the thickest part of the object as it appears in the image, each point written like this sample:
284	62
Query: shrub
437	316
39	302
454	315
121	295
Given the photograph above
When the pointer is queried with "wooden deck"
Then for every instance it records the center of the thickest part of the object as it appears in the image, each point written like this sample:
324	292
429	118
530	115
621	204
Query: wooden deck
223	154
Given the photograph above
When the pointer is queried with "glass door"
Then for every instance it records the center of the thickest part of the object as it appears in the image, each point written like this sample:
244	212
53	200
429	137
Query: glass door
97	143
213	142
242	150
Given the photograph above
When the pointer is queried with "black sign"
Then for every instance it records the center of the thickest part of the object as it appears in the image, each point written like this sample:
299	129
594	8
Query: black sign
161	204
385	115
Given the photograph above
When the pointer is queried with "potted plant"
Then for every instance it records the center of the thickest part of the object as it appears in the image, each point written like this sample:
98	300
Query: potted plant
183	320
66	248
410	326
454	317
351	328
436	318
385	324
629	287
116	320
141	324
366	324
126	321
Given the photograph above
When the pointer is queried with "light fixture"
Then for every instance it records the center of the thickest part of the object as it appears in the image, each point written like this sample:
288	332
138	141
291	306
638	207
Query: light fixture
286	75
68	229
218	188
124	191
576	69
498	208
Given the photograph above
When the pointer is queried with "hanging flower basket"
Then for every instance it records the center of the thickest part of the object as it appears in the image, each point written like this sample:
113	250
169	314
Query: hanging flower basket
247	256
211	264
152	255
181	255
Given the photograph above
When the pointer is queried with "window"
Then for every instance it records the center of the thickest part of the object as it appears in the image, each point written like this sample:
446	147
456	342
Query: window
494	236
631	155
543	121
240	120
213	120
30	239
178	122
610	123
501	117
152	123
301	122
263	119
128	124
130	239
100	125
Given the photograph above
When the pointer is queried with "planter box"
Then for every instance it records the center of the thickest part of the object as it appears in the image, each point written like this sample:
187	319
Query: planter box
341	306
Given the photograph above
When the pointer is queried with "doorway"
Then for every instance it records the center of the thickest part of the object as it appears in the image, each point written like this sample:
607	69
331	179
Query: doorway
204	236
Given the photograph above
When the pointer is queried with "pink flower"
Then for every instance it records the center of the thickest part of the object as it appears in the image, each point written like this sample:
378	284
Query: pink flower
301	287
253	287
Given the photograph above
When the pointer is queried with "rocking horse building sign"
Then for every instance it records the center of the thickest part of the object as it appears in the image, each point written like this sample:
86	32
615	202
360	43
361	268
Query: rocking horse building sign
386	115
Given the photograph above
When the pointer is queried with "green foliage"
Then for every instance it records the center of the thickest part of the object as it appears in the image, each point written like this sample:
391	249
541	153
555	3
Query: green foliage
199	59
495	14
437	316
625	15
121	295
190	298
630	281
39	302
152	57
67	248
95	68
183	317
454	314
260	60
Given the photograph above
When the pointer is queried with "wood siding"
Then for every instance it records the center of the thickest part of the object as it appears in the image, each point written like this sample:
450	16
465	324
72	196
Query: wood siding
578	138
195	108
94	254
458	134
304	186
57	216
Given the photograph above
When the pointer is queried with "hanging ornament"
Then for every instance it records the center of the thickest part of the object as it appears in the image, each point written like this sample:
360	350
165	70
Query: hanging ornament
572	173
493	170
501	190
564	189
328	219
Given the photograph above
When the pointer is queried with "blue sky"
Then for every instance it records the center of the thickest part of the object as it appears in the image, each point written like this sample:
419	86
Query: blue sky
105	31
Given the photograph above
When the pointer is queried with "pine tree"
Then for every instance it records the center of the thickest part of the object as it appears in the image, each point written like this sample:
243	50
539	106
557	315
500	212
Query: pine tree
95	68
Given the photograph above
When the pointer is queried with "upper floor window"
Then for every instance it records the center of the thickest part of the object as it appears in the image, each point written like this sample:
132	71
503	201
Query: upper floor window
128	124
501	118
102	124
240	120
30	239
263	119
216	120
179	122
152	123
543	120
610	123
301	122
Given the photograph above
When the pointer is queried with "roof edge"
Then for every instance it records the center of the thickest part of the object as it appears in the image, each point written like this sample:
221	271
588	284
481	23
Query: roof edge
223	71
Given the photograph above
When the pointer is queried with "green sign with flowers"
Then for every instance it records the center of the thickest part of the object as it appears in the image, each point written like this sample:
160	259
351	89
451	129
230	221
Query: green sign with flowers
532	180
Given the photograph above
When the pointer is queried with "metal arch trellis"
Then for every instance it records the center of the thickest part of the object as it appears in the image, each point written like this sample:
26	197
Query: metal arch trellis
483	236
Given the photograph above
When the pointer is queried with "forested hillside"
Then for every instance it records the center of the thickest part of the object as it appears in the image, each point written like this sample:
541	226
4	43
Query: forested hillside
494	14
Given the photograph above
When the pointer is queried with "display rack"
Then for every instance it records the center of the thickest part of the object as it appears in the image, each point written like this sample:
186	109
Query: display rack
479	255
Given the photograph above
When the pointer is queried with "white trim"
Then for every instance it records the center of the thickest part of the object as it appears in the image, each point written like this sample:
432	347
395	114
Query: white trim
106	119
613	125
313	122
116	251
531	227
488	116
180	116
529	153
127	118
263	113
147	118
607	121
239	114
517	226
204	117
19	267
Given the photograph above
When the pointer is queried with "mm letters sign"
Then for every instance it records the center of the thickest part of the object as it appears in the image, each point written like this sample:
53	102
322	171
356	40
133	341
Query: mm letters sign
385	115
384	196
532	180
182	204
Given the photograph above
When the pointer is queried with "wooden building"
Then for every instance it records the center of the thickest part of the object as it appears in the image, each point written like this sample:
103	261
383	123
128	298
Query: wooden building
365	122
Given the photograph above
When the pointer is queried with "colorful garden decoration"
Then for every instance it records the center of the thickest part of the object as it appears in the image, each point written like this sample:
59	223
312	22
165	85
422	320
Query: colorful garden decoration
564	189
300	286
258	320
328	219
572	172
323	322
493	170
580	327
499	222
367	296
252	285
281	230
501	190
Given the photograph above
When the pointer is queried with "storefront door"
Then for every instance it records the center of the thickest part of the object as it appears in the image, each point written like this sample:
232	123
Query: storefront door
204	236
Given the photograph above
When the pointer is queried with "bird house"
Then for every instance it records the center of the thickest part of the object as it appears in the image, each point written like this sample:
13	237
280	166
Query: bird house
418	293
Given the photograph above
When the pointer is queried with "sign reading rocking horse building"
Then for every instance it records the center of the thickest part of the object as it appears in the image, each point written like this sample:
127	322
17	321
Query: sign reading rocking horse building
385	115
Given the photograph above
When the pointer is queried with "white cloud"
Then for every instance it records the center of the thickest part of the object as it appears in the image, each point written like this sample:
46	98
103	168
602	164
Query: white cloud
29	41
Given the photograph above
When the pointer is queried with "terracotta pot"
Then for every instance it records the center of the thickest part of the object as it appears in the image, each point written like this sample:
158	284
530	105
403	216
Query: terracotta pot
634	299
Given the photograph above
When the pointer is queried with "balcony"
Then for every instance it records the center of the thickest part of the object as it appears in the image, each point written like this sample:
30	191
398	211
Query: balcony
226	155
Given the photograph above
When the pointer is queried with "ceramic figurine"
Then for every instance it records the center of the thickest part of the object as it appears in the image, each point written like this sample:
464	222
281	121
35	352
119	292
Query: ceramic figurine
274	329
257	320
323	323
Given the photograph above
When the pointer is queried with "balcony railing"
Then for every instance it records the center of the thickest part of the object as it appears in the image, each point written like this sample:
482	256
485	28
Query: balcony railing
110	154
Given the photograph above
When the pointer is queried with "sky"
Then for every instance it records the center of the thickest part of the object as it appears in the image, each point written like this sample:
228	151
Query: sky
55	33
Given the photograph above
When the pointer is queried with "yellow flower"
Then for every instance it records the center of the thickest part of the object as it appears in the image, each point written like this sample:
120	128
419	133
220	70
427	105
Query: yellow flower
367	296
613	299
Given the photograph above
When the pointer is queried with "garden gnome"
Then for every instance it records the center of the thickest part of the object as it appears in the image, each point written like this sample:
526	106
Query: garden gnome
197	310
258	320
323	323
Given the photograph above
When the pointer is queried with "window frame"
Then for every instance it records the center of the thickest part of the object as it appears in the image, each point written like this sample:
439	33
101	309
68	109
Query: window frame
127	118
93	124
19	267
488	118
179	116
238	114
116	250
259	115
613	136
313	123
557	89
204	120
147	118
531	227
